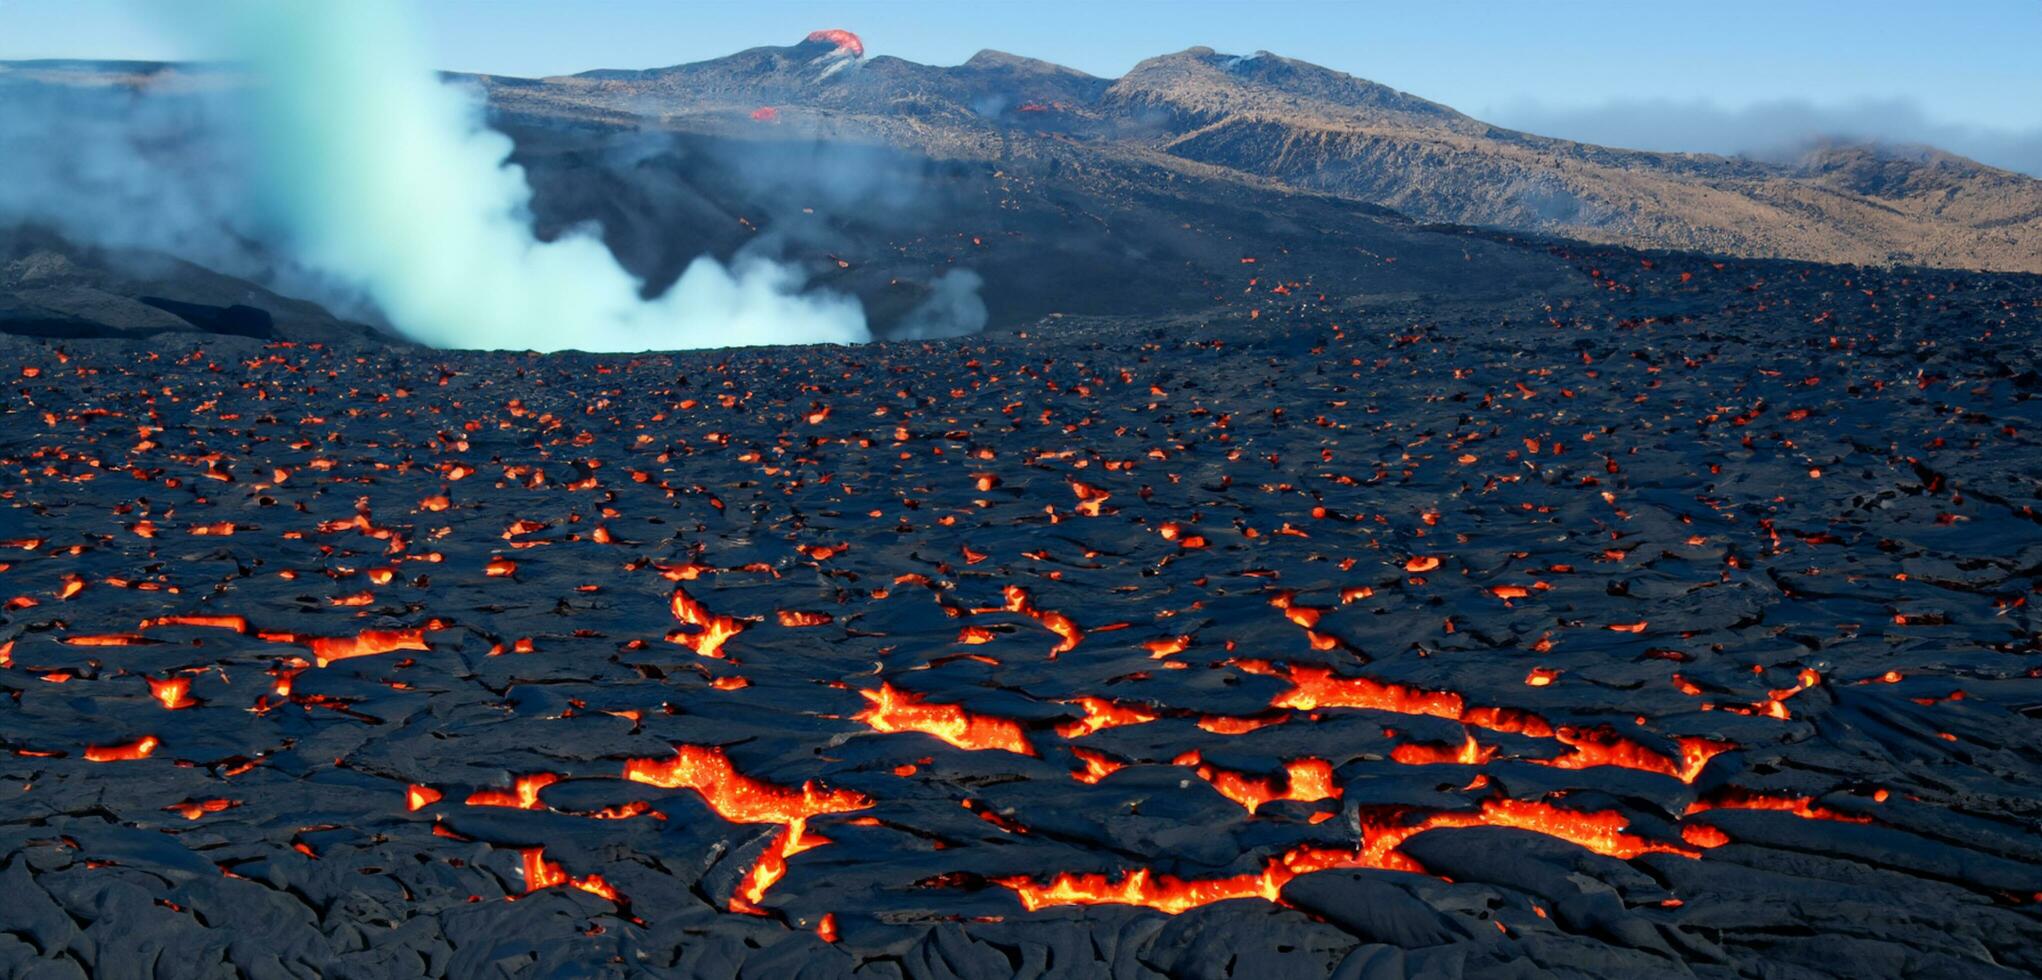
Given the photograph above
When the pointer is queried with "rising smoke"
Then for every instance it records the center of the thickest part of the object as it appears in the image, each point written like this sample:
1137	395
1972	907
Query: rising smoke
152	166
953	309
330	162
381	175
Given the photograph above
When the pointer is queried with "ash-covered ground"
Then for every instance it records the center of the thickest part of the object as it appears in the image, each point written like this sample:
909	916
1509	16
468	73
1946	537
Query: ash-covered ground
1683	634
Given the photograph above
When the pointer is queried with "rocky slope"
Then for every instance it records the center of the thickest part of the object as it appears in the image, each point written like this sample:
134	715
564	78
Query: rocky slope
1311	128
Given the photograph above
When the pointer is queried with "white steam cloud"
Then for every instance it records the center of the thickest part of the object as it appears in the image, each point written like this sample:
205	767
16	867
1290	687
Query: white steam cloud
953	309
386	179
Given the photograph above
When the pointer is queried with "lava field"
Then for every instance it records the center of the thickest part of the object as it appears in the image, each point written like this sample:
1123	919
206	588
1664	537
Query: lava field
1683	635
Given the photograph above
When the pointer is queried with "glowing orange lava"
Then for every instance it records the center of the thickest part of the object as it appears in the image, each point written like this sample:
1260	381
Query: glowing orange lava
1314	687
1598	831
735	796
140	748
525	795
541	873
895	710
713	629
367	643
772	866
1101	714
1468	753
1018	601
741	799
1805	807
171	692
1305	780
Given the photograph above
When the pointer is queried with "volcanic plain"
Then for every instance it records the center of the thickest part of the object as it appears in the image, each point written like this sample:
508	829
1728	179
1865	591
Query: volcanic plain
1683	629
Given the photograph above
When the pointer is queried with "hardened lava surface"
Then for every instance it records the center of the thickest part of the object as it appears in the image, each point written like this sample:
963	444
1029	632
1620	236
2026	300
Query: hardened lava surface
1683	632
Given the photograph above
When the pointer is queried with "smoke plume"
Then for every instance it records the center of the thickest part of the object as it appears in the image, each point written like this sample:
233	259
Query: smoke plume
328	160
386	178
953	309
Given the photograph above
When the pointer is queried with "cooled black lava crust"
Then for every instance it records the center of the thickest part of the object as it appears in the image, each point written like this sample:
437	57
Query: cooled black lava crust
1688	634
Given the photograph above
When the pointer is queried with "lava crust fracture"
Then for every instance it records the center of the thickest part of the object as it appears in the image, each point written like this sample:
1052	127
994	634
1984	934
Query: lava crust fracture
1684	632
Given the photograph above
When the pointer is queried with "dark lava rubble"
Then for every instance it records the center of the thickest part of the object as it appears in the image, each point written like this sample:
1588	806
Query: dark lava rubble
1682	632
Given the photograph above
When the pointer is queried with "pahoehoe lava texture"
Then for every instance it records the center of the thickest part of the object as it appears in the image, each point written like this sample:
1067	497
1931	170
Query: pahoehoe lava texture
1686	632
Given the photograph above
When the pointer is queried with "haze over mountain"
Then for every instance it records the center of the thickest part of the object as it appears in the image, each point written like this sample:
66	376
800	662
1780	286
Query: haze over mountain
1316	129
1036	190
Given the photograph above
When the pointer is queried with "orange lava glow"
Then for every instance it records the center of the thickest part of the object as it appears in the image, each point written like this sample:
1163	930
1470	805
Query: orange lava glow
1166	646
1468	753
1314	687
194	809
1101	714
419	797
1018	601
843	39
107	640
1319	687
1098	765
1163	893
238	624
732	794
172	692
795	618
713	629
541	873
772	866
367	643
741	799
140	748
525	795
1704	836
1805	807
1305	780
895	710
1601	831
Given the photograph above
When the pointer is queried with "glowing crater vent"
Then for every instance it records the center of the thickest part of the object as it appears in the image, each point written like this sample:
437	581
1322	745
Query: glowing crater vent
843	39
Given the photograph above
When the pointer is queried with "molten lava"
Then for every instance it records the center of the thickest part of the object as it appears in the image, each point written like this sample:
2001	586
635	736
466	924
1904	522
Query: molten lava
895	710
1314	687
772	866
736	797
140	748
1305	780
1101	714
741	799
524	795
1601	831
541	873
1805	807
172	692
367	643
712	629
1018	601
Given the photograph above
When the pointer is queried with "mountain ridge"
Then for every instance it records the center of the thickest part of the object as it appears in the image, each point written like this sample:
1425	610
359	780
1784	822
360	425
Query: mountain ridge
1318	129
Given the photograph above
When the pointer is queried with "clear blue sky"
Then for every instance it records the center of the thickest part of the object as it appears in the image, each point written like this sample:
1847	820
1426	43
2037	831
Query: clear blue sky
1971	63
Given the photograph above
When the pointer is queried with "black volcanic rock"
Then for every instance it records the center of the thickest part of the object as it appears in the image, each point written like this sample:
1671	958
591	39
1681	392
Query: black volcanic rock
53	288
1681	627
